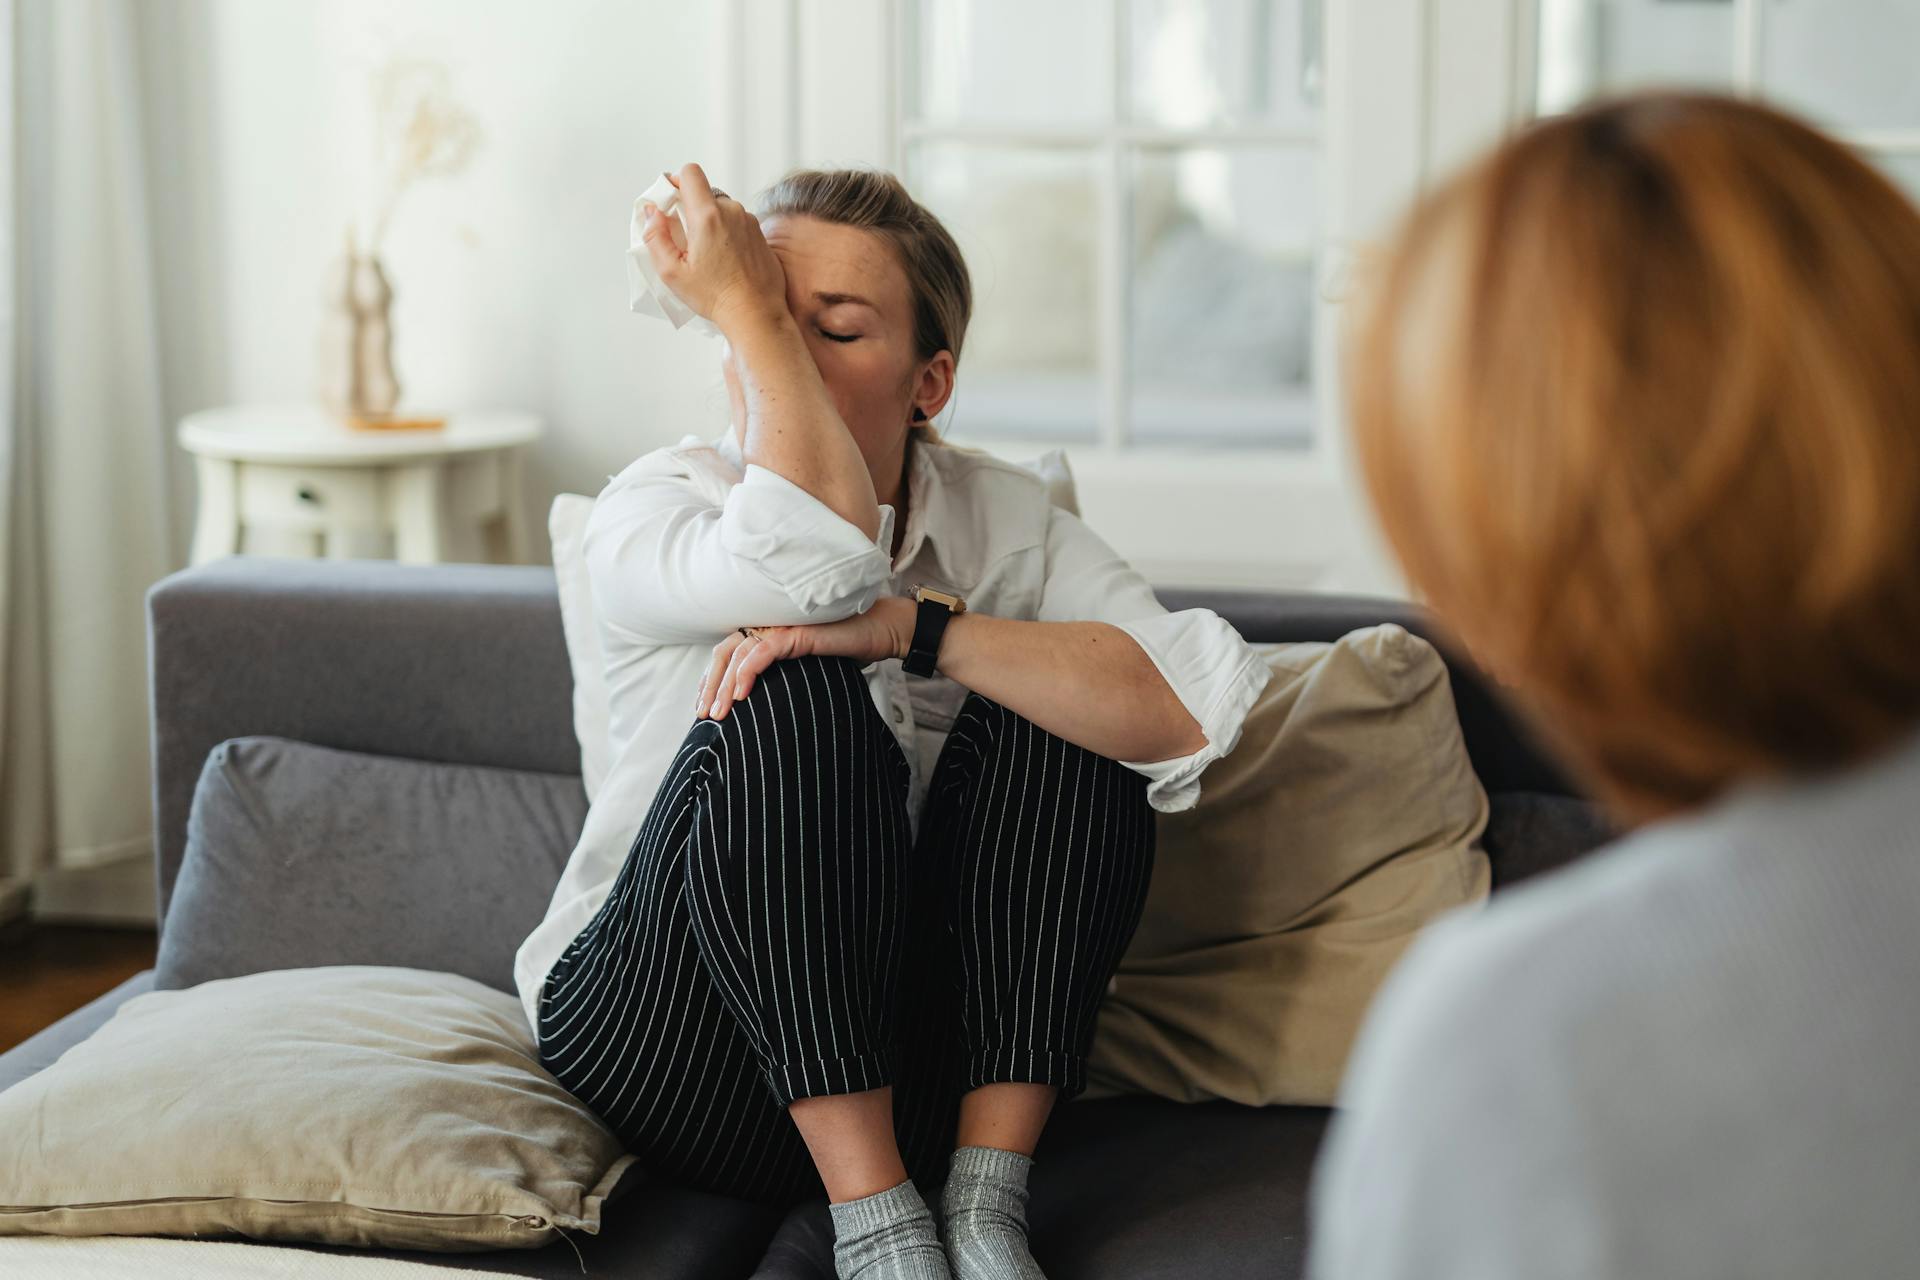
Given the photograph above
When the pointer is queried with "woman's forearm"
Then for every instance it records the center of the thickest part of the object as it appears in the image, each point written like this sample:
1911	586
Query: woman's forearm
1088	682
791	425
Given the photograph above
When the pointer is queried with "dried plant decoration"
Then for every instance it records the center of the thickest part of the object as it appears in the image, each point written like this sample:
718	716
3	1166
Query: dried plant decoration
422	131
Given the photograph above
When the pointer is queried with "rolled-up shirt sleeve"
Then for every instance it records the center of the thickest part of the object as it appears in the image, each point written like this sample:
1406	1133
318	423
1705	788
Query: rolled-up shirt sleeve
668	566
1210	668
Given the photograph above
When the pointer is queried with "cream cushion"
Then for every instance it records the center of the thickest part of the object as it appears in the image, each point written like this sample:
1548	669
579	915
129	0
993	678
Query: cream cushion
1346	819
348	1104
592	709
592	706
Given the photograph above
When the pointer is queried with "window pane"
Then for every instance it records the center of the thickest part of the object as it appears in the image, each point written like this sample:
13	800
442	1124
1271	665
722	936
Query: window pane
1222	296
998	61
1850	64
1210	62
1597	46
1025	220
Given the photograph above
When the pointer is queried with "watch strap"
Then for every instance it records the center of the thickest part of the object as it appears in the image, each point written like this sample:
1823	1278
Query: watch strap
929	624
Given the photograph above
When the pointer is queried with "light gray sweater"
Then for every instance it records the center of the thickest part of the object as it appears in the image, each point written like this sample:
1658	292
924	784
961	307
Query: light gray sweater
1694	1054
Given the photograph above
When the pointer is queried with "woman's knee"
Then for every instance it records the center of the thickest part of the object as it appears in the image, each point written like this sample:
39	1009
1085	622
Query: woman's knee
1037	772
995	728
815	667
801	713
813	691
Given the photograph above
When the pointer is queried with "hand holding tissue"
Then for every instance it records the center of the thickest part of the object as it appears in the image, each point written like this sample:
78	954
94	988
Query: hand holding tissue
646	294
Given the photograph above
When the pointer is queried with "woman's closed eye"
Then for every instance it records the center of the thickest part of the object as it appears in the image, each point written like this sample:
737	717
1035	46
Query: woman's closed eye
836	337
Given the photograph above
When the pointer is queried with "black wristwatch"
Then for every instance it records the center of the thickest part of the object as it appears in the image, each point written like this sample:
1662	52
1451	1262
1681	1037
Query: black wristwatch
936	610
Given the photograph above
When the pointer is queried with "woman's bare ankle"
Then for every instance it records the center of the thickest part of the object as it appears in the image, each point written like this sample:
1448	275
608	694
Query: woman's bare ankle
851	1139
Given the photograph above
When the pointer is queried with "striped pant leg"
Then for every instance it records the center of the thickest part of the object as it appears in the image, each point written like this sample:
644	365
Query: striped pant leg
1046	853
801	872
632	1024
749	953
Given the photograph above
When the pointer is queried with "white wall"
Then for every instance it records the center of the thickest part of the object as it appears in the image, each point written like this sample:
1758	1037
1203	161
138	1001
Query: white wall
260	135
509	279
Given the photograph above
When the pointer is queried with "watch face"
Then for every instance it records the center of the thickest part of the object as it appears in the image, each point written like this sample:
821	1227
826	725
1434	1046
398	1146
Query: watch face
953	602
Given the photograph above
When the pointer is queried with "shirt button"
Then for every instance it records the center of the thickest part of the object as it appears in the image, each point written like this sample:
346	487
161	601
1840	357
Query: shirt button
898	715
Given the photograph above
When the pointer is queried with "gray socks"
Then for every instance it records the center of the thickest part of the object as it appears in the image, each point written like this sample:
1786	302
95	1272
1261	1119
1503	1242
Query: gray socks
888	1235
984	1206
891	1234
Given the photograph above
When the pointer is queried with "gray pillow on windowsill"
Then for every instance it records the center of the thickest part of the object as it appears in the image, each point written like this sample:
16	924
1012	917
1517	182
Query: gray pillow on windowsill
300	855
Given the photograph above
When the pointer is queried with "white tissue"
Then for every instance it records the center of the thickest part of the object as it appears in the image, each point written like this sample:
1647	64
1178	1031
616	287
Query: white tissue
645	292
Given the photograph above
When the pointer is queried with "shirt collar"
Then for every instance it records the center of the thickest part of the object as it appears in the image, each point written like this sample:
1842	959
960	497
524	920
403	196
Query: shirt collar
926	496
926	502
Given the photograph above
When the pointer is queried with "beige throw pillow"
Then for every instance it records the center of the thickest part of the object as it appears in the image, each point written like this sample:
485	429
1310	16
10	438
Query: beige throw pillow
1346	819
349	1104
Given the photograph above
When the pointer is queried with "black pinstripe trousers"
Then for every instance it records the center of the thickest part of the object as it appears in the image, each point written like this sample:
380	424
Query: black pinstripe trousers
776	933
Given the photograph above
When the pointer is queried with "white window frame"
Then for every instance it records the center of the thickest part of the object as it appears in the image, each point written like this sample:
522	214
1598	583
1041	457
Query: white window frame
1412	88
1748	54
1111	143
790	93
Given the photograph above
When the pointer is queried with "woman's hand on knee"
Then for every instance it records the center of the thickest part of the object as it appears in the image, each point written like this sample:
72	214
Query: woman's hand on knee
884	631
721	673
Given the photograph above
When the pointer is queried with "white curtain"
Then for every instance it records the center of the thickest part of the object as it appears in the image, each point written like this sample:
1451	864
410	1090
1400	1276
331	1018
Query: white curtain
84	494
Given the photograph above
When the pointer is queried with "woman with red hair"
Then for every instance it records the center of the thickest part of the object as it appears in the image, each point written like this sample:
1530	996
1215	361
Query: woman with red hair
1637	398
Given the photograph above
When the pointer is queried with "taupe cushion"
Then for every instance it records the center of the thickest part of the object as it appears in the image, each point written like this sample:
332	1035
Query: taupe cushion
1346	819
350	1104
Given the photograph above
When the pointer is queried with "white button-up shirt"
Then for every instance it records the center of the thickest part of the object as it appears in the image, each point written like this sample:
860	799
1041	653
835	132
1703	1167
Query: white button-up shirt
691	541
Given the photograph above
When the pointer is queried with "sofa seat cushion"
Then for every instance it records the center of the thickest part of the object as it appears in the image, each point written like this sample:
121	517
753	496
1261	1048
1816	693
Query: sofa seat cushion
1139	1189
43	1048
301	855
649	1228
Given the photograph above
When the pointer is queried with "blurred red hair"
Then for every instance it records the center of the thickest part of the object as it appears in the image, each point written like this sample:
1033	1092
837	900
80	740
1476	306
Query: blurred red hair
1637	400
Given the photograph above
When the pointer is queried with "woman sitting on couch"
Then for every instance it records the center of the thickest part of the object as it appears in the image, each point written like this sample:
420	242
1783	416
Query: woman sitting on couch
851	912
1638	401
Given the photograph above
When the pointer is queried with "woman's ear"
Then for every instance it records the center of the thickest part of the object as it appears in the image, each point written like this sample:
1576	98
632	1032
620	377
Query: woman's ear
934	386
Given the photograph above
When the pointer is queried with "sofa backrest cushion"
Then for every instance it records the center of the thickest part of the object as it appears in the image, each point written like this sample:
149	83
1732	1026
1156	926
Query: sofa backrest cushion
463	663
1532	832
1506	753
468	664
301	855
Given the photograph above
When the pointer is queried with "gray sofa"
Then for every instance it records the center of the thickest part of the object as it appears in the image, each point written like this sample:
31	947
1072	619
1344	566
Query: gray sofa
467	664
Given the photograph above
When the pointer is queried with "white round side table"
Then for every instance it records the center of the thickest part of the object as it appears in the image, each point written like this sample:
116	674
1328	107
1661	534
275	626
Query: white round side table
296	470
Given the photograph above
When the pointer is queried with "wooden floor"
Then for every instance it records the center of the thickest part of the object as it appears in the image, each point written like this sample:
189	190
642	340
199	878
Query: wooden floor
49	970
